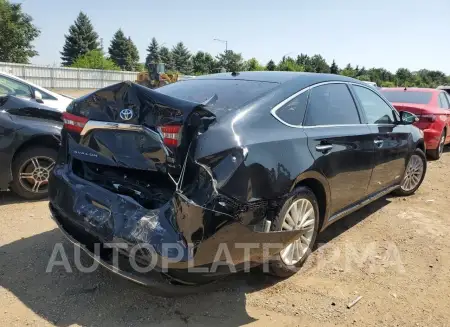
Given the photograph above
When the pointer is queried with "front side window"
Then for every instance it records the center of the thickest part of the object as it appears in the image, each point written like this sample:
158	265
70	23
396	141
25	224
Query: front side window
331	104
294	111
11	87
377	111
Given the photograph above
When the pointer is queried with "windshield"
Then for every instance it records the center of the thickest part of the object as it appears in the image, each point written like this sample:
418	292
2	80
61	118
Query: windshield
220	93
416	97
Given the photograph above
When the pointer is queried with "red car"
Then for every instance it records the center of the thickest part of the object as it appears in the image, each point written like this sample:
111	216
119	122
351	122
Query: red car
432	107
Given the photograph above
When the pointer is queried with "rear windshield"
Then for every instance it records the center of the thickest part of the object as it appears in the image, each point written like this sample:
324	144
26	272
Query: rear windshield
417	97
226	94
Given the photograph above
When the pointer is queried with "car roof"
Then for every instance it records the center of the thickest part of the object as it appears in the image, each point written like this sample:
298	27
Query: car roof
279	77
31	84
411	89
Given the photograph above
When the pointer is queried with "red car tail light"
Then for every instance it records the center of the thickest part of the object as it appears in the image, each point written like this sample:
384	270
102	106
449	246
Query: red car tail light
429	118
171	134
74	123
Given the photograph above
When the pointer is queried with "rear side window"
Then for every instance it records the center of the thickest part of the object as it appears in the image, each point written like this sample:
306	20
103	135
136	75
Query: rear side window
377	111
416	97
443	102
220	93
293	112
331	104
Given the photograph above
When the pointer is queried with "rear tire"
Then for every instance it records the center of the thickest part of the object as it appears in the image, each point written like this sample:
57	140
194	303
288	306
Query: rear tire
437	153
31	168
283	265
411	173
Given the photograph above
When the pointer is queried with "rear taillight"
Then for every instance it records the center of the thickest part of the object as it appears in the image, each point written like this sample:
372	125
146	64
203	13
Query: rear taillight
429	118
74	123
171	134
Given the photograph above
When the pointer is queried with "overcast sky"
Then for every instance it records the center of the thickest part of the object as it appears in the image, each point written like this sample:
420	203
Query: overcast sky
381	33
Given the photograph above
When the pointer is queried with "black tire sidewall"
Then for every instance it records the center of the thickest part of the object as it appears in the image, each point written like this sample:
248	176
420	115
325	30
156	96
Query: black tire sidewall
18	161
278	267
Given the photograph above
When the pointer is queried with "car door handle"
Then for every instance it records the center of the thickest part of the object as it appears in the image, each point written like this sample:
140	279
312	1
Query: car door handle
324	147
378	142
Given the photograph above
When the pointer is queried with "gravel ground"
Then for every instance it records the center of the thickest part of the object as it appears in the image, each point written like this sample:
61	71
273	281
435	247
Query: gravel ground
394	253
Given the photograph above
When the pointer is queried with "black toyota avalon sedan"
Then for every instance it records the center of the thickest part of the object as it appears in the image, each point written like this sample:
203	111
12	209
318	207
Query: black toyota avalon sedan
212	164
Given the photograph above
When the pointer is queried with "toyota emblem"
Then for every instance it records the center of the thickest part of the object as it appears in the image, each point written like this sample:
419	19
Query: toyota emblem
126	114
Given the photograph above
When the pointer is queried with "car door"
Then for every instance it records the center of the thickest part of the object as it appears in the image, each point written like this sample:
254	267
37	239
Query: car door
389	137
10	86
341	145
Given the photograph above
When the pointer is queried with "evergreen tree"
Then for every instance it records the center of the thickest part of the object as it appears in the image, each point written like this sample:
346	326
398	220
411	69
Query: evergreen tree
271	65
119	49
203	63
334	69
132	62
16	34
153	53
182	59
231	61
81	39
166	58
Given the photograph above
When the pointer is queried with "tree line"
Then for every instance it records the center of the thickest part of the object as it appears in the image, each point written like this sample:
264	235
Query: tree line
84	49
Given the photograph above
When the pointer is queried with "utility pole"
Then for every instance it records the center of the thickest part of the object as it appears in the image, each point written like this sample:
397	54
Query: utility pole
226	48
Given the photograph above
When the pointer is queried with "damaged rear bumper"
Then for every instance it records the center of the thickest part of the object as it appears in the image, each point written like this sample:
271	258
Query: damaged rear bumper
182	240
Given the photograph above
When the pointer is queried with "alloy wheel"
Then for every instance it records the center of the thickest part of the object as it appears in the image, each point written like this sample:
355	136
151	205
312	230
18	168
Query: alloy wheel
413	173
299	216
35	172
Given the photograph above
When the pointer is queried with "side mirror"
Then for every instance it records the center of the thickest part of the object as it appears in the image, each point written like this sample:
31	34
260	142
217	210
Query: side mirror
408	118
38	96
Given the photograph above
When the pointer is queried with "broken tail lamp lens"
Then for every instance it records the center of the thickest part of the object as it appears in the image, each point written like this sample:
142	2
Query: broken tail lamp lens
74	123
171	134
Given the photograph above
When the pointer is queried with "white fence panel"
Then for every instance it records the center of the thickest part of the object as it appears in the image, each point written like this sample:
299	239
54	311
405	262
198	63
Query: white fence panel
67	78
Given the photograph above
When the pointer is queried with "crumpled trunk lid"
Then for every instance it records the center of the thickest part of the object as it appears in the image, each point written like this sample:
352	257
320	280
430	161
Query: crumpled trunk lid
123	128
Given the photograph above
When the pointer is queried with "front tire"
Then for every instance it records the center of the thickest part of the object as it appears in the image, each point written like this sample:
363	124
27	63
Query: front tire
31	169
414	174
300	212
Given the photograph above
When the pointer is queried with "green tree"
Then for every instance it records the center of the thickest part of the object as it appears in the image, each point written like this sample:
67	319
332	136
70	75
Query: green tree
119	49
303	60
231	61
271	65
166	58
132	61
17	33
348	71
153	53
254	65
203	63
403	76
334	69
290	65
318	64
182	59
94	59
81	39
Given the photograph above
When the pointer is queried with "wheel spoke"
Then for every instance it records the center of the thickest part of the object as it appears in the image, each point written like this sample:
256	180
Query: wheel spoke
36	186
35	162
26	175
294	212
50	167
290	221
286	226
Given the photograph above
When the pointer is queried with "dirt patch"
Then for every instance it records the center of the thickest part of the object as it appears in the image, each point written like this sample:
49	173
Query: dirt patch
395	253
